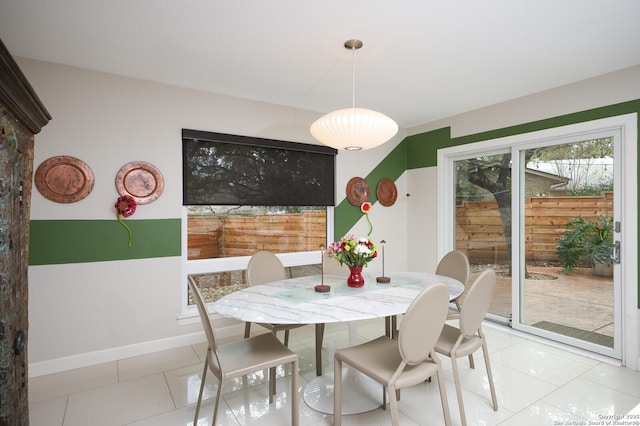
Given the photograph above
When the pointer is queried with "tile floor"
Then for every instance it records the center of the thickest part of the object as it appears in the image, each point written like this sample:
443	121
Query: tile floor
536	384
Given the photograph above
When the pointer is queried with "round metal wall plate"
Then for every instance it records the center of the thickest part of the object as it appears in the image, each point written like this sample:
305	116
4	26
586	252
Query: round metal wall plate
64	179
357	191
141	180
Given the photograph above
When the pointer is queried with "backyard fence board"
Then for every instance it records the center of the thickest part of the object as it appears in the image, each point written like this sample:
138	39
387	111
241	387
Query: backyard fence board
212	236
480	233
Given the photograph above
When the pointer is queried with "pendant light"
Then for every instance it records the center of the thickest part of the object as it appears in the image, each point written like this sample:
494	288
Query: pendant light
353	128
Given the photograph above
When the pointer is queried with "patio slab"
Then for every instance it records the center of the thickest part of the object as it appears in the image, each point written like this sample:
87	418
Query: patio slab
579	300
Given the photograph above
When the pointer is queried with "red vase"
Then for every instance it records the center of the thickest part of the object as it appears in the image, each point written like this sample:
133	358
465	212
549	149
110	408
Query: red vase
355	278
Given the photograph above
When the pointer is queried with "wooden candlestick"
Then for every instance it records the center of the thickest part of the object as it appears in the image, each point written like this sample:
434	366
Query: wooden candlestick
322	288
383	279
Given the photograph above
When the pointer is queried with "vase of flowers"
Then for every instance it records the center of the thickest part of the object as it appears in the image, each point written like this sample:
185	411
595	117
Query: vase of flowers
356	253
355	277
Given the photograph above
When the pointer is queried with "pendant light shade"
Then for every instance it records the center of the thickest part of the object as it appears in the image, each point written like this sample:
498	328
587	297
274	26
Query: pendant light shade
353	128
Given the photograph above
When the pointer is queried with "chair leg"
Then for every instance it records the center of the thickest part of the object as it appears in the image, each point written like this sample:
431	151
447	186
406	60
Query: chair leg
319	340
295	396
456	380
394	327
443	397
393	402
247	329
337	392
272	383
485	352
286	338
217	404
384	398
204	376
472	364
387	326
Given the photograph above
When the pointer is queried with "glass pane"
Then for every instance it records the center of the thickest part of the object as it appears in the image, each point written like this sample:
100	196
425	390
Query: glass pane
483	221
228	231
217	285
568	224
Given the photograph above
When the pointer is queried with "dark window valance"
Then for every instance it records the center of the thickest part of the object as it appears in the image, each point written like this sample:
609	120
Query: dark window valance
223	169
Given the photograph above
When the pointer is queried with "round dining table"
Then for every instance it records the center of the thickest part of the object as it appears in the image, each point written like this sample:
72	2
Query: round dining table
295	301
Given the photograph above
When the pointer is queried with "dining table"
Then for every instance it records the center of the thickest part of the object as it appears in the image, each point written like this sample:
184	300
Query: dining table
296	301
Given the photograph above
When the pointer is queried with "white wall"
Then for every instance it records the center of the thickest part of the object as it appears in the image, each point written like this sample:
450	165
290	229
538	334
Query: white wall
422	220
95	312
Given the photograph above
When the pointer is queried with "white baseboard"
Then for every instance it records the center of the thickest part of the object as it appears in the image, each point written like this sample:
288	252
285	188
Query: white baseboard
114	354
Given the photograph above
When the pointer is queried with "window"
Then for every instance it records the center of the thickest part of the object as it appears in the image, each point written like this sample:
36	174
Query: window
246	194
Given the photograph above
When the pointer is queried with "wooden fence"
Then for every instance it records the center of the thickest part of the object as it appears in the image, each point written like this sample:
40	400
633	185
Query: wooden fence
212	237
479	229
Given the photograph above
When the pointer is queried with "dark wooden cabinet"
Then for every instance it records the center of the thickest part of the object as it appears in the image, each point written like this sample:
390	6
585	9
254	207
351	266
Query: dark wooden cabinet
21	116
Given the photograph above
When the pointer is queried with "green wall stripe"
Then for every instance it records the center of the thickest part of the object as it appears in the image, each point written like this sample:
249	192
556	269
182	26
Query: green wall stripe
423	148
563	120
391	167
56	242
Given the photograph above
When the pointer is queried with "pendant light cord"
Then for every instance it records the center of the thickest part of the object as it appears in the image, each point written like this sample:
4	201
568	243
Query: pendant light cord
353	77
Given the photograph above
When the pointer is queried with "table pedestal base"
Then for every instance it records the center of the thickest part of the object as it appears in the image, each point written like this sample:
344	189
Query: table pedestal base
359	393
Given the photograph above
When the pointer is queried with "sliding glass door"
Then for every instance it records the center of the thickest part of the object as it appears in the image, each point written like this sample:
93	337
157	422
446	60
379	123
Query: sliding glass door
566	289
545	213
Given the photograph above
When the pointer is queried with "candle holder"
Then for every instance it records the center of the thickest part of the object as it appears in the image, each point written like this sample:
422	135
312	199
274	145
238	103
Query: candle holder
322	288
383	279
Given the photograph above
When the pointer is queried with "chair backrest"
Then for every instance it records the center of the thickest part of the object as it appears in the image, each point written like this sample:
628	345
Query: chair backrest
454	264
422	323
333	267
264	267
476	302
204	314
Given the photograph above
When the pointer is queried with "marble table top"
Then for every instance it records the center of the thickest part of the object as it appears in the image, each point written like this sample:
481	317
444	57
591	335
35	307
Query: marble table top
294	301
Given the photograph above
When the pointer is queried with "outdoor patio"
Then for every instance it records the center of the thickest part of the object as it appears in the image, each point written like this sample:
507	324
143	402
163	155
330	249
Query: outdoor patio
579	304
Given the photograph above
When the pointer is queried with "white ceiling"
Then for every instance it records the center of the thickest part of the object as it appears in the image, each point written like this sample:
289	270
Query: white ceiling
422	60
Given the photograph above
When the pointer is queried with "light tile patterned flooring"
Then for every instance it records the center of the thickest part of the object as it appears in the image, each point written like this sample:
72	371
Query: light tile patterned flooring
536	384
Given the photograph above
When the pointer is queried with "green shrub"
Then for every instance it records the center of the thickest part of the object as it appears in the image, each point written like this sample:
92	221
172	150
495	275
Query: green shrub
585	242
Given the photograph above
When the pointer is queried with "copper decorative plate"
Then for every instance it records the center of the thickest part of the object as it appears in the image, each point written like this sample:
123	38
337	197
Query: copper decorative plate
357	191
386	192
64	179
141	180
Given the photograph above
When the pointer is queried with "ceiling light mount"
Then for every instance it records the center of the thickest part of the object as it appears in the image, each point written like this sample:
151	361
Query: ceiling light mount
353	44
353	129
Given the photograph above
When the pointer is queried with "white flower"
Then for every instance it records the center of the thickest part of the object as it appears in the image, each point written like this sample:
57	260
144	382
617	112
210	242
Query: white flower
362	249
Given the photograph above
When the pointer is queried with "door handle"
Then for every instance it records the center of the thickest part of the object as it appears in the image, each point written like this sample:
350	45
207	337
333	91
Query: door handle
615	256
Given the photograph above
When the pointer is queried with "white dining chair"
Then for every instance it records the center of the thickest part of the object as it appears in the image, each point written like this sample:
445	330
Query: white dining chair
455	264
457	342
407	361
331	266
241	358
265	267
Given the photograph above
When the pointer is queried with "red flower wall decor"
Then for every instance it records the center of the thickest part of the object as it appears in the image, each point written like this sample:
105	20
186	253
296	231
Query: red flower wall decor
125	207
366	208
